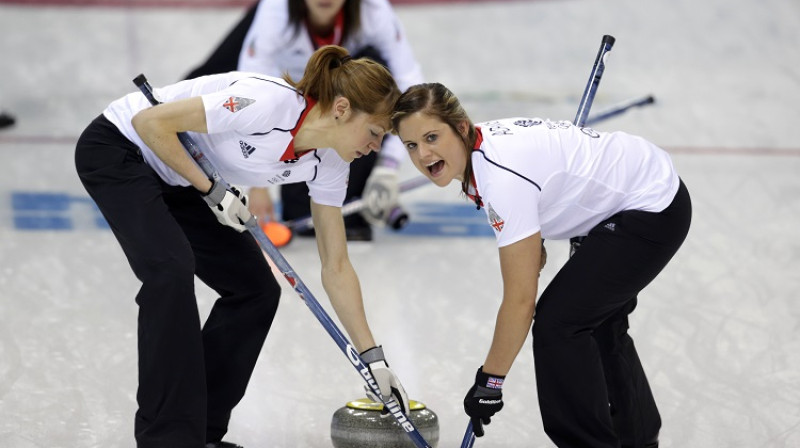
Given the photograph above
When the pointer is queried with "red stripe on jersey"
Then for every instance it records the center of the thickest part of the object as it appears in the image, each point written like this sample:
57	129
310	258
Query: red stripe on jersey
476	198
479	139
289	154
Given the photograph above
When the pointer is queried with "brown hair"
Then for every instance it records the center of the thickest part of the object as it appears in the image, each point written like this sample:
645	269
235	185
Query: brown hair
436	100
368	85
298	12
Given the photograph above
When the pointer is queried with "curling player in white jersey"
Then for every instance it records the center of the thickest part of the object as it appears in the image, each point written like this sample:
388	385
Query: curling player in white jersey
174	223
540	179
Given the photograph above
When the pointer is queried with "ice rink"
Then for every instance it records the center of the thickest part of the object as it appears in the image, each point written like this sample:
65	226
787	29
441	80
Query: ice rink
718	331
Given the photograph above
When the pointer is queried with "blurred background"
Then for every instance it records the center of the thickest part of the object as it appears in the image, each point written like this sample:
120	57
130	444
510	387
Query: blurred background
718	331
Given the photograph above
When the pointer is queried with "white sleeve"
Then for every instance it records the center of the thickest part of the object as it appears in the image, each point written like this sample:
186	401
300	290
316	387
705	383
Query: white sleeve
329	186
511	205
248	108
265	36
385	32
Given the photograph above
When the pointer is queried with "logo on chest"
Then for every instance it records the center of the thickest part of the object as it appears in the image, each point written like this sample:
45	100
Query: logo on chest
247	149
279	178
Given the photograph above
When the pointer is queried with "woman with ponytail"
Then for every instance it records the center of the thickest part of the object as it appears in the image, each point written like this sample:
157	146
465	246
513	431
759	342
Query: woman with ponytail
173	223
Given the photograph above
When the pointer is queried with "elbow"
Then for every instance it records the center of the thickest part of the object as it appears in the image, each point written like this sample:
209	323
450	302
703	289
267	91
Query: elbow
338	271
334	269
523	301
140	123
529	304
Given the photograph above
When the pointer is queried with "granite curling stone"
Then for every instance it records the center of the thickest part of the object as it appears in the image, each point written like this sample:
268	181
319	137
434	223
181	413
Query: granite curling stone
359	424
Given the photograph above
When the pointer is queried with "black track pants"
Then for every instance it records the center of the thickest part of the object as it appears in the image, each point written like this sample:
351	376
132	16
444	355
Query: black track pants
189	378
592	389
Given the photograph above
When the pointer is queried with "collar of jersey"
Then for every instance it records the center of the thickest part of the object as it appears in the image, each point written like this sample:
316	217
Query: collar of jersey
335	38
472	188
289	153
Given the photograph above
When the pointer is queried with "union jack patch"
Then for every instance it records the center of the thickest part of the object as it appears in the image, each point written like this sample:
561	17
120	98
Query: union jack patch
495	220
235	103
494	383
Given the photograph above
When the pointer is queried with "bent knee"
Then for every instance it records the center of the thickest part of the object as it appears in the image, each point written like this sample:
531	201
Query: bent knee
164	269
550	330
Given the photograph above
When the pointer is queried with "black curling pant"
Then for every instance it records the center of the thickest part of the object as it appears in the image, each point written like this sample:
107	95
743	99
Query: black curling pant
593	392
189	378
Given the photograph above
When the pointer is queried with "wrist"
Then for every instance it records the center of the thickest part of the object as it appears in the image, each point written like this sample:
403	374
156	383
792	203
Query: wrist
489	380
373	354
215	194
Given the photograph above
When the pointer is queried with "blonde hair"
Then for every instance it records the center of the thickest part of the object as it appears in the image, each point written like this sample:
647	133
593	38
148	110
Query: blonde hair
368	85
436	100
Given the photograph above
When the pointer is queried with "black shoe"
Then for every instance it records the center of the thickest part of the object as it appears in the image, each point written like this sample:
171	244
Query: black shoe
222	445
358	233
308	232
357	228
6	120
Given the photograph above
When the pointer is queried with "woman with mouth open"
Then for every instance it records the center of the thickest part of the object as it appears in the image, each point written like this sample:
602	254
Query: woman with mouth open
174	223
540	179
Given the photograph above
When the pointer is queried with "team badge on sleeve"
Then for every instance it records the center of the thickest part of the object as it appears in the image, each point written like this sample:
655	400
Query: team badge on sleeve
236	103
495	220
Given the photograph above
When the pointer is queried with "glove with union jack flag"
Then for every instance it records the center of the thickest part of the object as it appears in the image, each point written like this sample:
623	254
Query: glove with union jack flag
484	399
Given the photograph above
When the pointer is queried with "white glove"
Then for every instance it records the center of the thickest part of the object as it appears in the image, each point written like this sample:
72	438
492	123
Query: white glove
229	206
380	194
387	381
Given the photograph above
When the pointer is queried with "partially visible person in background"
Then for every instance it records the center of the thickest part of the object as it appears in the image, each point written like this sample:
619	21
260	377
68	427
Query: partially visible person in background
6	119
277	37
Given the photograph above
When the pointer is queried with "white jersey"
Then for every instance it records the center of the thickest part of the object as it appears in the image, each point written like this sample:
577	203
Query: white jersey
272	47
535	175
251	121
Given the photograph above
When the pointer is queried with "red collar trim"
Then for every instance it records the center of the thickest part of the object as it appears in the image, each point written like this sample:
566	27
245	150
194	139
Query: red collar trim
479	139
289	154
335	37
472	188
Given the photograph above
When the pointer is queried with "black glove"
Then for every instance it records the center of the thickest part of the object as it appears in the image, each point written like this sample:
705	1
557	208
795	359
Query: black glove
484	398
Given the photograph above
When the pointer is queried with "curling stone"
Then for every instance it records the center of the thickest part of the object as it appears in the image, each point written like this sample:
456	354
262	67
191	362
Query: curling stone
359	424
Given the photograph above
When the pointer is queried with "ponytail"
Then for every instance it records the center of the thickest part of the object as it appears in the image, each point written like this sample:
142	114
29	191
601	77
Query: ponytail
331	72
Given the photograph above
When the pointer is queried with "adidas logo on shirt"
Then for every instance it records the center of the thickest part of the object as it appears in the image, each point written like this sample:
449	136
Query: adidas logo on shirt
247	149
611	226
